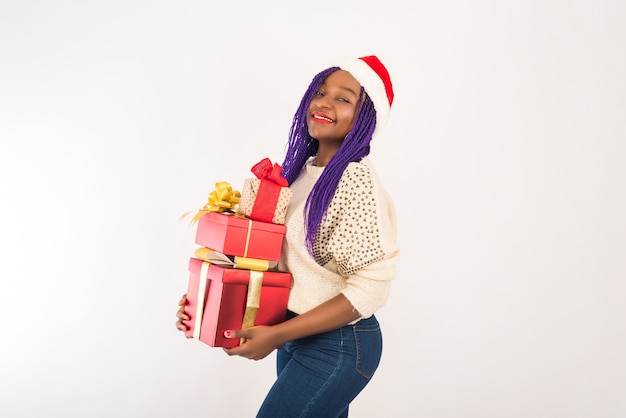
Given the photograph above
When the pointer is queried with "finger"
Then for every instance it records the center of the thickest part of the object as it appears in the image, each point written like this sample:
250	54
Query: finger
236	333
183	300
235	351
181	314
180	326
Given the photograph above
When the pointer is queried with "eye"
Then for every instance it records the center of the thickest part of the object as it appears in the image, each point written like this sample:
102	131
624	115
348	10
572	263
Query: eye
319	93
343	99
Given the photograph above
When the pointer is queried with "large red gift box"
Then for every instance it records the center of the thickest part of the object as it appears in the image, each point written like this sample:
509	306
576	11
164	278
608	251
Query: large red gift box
219	297
234	235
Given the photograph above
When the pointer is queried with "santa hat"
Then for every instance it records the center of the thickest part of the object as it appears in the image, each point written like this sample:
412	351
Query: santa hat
373	76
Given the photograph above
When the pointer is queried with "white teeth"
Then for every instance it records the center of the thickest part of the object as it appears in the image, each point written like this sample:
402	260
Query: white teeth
322	118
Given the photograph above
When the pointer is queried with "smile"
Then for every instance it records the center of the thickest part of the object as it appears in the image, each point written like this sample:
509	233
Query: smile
321	118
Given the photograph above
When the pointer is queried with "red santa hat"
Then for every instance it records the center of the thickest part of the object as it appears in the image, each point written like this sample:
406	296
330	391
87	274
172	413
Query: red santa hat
373	76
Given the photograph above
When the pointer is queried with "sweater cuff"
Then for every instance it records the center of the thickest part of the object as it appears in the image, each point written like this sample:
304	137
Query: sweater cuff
367	296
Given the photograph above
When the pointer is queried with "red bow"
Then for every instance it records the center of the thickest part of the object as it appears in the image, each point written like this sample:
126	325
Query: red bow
264	169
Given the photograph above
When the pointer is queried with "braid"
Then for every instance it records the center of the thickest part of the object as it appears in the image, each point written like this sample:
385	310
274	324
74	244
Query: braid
354	147
301	146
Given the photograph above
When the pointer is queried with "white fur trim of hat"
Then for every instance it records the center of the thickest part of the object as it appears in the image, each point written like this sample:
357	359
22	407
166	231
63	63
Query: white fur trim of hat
373	76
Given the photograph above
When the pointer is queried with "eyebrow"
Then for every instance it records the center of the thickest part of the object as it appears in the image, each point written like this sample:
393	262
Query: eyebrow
348	89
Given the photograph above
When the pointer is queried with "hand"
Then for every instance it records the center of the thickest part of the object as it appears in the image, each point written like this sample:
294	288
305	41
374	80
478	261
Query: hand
182	316
260	342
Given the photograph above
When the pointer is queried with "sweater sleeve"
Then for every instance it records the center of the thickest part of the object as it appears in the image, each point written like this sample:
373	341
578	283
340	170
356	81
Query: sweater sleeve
364	243
365	229
368	289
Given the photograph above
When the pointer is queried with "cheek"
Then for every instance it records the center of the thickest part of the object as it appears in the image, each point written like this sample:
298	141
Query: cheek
349	118
348	114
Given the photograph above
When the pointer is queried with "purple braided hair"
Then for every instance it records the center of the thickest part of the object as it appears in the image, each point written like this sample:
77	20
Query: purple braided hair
301	146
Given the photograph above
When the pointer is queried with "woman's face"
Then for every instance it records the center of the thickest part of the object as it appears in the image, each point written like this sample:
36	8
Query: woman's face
332	111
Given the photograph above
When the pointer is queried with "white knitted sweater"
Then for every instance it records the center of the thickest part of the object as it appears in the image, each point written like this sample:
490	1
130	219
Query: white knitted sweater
357	246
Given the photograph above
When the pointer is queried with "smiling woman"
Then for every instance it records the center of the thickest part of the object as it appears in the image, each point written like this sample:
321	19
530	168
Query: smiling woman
332	111
340	248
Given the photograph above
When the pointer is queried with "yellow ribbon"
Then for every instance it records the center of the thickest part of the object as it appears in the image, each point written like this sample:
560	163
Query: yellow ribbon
243	263
253	301
204	271
222	199
245	250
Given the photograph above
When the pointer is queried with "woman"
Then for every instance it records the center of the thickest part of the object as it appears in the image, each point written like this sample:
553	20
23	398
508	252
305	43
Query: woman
340	248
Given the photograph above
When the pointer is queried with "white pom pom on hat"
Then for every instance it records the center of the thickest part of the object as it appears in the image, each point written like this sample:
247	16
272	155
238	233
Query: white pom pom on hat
370	72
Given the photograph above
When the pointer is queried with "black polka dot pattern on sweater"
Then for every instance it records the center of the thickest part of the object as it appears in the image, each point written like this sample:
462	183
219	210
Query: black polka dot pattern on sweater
350	231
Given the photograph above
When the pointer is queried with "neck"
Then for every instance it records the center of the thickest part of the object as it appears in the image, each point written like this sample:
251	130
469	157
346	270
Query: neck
324	154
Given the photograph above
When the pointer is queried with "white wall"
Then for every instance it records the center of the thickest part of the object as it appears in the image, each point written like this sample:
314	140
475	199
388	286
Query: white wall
504	152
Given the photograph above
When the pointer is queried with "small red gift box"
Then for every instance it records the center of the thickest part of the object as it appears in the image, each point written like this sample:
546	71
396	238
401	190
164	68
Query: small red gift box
233	235
266	197
219	299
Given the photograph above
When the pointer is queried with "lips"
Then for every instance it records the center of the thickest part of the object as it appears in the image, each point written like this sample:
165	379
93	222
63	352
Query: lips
320	118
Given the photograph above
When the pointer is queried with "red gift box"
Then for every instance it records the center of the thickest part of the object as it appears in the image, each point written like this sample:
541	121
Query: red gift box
233	235
220	297
265	198
264	203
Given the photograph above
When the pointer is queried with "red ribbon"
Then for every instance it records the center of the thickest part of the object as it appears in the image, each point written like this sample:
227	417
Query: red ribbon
269	189
265	170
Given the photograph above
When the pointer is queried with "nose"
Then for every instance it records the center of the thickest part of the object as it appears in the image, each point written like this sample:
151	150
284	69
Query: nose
321	102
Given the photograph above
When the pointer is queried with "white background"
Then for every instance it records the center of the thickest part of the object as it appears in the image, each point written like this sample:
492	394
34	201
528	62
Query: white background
504	153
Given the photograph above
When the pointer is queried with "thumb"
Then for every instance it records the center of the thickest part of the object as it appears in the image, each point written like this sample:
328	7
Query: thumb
230	333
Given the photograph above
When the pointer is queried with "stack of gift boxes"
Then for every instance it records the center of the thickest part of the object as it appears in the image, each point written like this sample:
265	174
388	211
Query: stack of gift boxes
233	278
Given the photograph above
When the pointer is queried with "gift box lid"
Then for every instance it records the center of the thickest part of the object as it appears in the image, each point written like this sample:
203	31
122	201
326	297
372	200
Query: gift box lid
234	276
231	219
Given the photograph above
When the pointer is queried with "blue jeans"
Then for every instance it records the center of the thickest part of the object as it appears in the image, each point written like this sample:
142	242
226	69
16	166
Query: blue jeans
318	376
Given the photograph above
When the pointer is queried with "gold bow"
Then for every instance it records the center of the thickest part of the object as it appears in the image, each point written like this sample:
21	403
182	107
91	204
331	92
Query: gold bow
222	199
